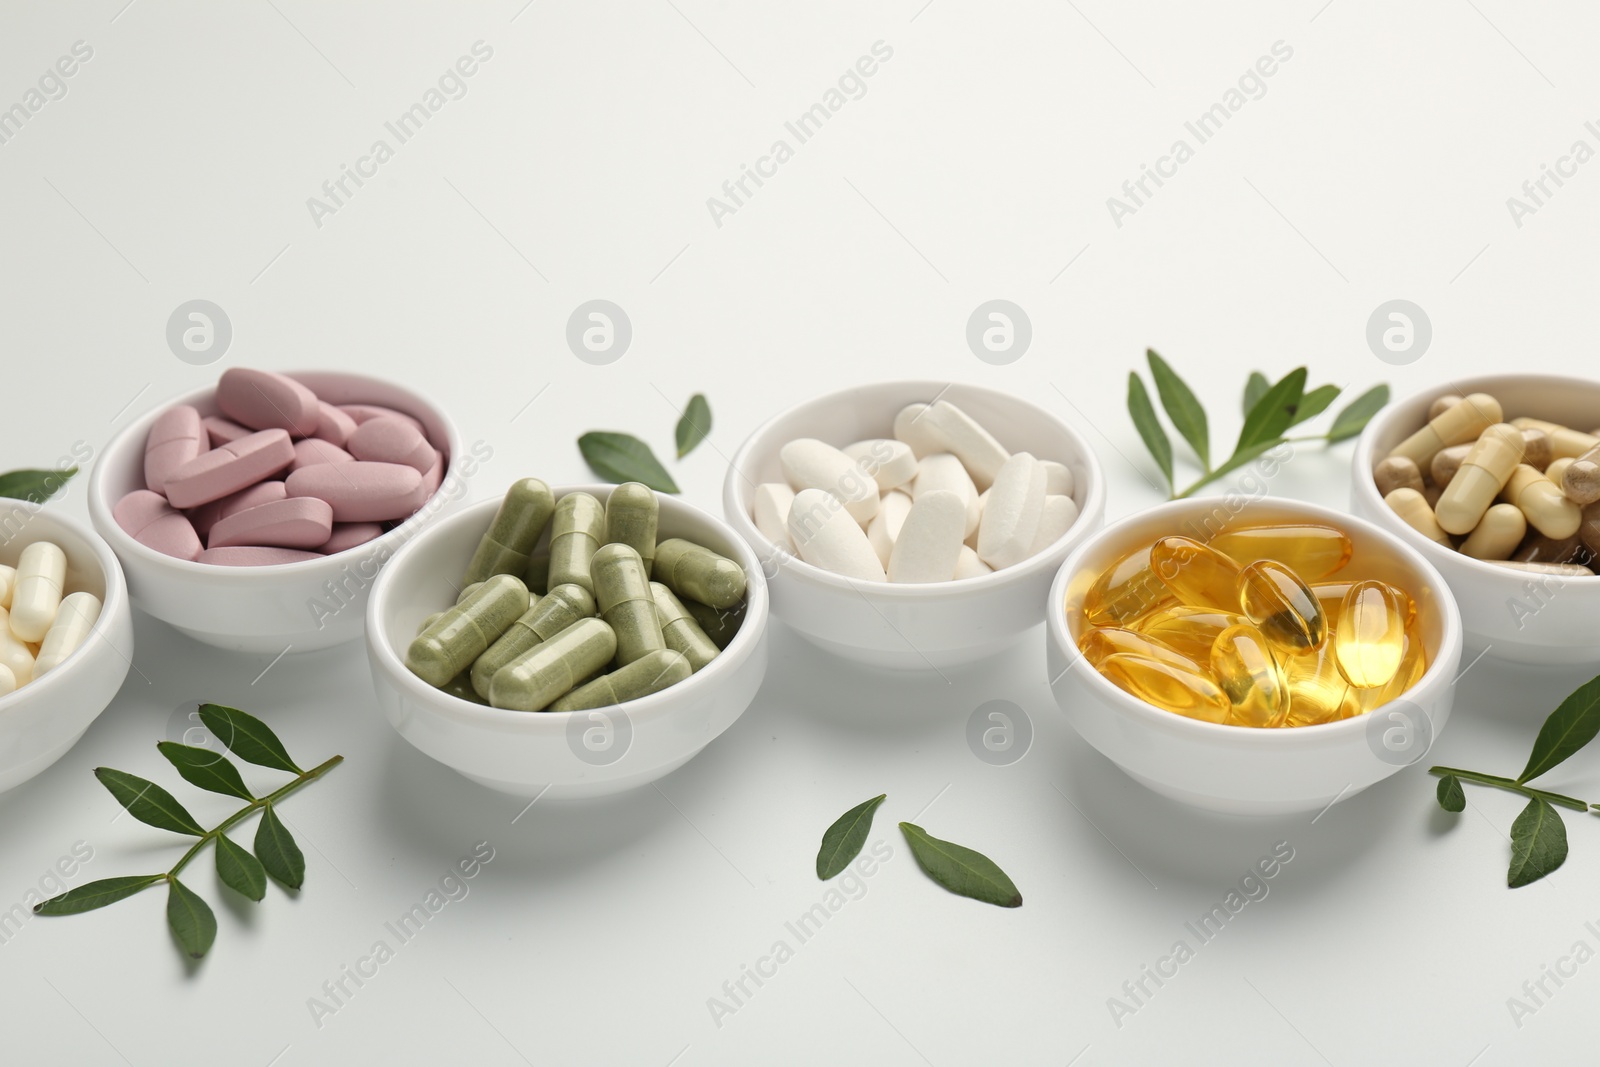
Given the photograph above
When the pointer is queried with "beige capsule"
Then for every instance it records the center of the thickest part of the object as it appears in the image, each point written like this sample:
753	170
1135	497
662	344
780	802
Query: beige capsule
1557	470
1541	500
1397	472
1483	473
1580	481
1413	509
1456	425
1442	405
1564	440
1497	534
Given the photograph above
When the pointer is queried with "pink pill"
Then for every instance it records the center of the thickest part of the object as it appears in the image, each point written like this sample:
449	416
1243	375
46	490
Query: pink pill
176	437
206	516
335	426
215	474
367	412
348	535
263	400
314	450
359	492
431	480
294	522
222	431
255	556
151	521
387	439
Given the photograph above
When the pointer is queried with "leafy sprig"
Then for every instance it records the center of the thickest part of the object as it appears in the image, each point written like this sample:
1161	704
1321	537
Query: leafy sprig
275	851
1538	836
1271	409
34	486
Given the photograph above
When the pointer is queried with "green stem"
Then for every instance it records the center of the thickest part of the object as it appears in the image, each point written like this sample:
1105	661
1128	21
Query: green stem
255	805
1511	785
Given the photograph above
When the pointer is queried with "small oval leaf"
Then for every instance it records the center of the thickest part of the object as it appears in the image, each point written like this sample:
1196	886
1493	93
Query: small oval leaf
1273	412
148	802
1572	725
1182	407
960	869
1150	432
96	894
1538	844
842	841
1451	796
247	737
206	769
239	870
277	851
695	426
1255	387
621	457
35	486
1356	414
1314	403
191	919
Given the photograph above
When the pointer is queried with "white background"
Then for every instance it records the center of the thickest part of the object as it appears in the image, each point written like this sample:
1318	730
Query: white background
977	165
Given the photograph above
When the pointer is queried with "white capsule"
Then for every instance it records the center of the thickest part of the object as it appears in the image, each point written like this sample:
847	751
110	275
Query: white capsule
8	681
891	463
827	537
885	525
1011	517
74	623
1059	513
8	581
941	470
930	540
911	428
812	464
1057	478
968	565
771	512
953	430
14	653
41	575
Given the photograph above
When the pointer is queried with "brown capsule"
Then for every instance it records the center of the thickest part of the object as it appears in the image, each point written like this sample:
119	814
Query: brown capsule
1536	447
1443	404
1397	472
1431	493
1581	480
1446	462
1537	548
1564	440
1589	530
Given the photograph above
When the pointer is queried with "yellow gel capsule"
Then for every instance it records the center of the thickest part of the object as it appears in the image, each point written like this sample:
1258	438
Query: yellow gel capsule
1274	598
1369	637
1413	664
1456	425
1097	645
1318	693
1331	596
1482	474
1125	592
1198	575
1189	631
1541	500
1168	686
1312	550
1248	672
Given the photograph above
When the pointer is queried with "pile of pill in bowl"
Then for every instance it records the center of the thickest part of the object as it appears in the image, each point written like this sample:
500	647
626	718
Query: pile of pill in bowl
1522	494
1258	626
41	622
942	500
582	625
280	476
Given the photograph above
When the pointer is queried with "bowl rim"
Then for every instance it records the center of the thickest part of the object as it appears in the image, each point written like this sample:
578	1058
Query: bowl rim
115	603
1364	456
100	508
1299	736
653	705
736	502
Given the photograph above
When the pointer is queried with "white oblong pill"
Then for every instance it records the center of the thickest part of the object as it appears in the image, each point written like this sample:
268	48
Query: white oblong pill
968	565
1057	478
910	427
1011	517
827	537
941	470
930	539
1059	513
8	580
812	464
15	655
771	512
891	463
74	622
958	433
885	525
41	577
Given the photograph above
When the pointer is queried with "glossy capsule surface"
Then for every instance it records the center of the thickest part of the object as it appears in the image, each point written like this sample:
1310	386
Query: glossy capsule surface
1246	668
1369	636
1189	631
1198	575
1274	598
1318	693
1098	645
1312	550
1168	686
1125	592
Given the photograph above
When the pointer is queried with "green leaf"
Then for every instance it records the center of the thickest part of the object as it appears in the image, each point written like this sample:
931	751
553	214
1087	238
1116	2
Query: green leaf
621	457
1149	427
960	869
1356	414
1273	412
1187	416
843	840
247	737
35	486
1314	403
206	769
278	853
239	870
96	894
148	802
1538	844
1571	726
1255	387
695	426
191	920
1451	797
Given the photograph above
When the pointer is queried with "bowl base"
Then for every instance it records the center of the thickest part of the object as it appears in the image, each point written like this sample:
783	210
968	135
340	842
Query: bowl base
1239	807
15	775
908	660
269	644
580	790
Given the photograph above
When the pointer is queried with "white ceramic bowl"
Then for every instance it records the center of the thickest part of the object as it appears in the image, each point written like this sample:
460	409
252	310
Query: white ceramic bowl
560	754
295	606
44	718
911	627
1526	618
1235	769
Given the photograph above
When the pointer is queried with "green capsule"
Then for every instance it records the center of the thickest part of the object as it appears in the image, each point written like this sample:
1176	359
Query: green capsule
460	635
622	589
678	628
648	674
509	541
467	590
553	667
575	533
720	624
461	687
537	576
631	515
428	621
564	605
697	573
